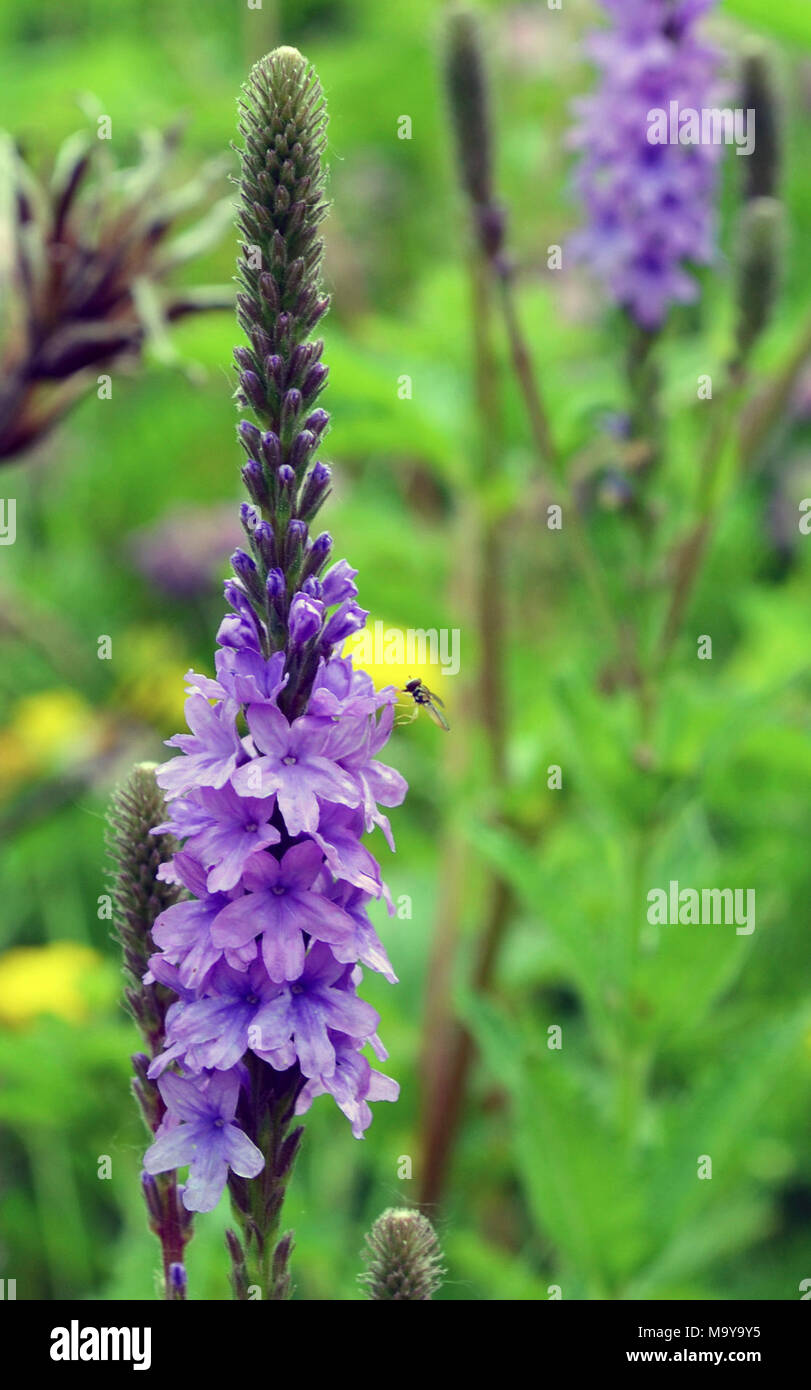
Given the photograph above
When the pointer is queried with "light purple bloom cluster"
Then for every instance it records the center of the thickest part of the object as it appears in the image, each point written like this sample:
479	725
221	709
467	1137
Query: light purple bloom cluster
650	206
278	778
266	957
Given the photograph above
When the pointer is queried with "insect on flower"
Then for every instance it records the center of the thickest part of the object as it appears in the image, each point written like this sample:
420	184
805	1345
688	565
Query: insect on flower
425	699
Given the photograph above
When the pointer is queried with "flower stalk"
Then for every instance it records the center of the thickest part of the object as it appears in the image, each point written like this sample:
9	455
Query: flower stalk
447	1049
266	956
757	282
469	106
260	1261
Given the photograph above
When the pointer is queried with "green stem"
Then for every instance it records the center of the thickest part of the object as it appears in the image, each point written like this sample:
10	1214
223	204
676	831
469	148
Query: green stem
449	1049
632	1066
711	478
260	1261
767	409
549	458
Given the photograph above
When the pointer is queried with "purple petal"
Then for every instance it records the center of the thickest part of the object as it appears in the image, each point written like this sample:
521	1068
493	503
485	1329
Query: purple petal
174	1149
283	945
243	1156
270	729
300	865
243	919
184	1098
315	1051
206	1180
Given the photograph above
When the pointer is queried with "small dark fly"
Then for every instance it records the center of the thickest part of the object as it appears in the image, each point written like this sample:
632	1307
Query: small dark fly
425	699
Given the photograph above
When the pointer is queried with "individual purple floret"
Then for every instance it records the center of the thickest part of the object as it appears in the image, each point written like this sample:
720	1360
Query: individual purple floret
352	1083
224	830
279	778
650	207
198	1129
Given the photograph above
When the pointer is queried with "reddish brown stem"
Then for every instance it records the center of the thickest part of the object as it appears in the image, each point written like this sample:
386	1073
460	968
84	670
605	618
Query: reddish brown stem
457	1053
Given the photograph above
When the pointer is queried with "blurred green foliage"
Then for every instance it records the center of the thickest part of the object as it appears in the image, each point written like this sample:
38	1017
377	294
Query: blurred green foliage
544	1191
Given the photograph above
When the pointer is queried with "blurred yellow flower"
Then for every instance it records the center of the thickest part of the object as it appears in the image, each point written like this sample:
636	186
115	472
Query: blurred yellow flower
50	729
46	980
54	718
392	655
151	683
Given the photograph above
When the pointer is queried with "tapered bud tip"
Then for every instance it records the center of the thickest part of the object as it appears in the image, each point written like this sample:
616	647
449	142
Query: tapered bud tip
283	1249
462	26
281	72
753	50
466	85
178	1278
760	100
284	56
756	64
403	1257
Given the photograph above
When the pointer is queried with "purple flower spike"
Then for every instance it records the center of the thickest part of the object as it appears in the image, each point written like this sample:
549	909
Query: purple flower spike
183	931
649	206
278	779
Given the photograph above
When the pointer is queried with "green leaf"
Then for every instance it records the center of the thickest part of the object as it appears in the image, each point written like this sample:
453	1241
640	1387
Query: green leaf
578	1183
790	20
717	1118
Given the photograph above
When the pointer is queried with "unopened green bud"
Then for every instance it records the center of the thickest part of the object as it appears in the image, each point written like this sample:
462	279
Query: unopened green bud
403	1257
761	168
138	895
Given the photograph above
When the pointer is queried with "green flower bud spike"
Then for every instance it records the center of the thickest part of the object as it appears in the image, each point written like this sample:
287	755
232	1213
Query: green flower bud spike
761	168
403	1257
139	897
468	100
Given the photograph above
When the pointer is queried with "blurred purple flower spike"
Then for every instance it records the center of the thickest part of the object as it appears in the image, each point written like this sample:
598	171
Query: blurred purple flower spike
650	207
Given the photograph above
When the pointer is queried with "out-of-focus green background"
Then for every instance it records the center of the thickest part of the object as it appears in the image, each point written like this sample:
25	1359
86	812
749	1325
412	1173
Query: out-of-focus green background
541	1192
